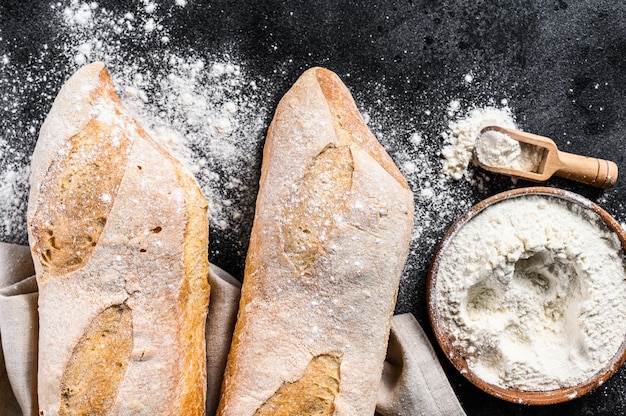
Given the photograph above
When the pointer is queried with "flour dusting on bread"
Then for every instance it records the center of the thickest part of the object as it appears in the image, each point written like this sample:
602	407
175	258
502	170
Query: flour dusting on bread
119	234
333	223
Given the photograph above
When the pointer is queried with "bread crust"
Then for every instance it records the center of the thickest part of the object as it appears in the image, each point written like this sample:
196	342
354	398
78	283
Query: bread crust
329	242
119	234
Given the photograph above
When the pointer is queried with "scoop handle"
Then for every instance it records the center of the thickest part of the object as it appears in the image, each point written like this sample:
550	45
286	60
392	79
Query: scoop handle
592	171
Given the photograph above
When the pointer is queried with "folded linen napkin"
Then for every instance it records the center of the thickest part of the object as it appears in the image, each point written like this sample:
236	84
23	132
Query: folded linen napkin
18	331
413	382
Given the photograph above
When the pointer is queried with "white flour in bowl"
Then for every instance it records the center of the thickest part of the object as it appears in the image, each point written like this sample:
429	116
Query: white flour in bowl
532	293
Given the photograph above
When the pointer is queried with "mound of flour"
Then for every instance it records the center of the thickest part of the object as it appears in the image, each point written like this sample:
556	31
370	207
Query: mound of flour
532	293
496	149
459	145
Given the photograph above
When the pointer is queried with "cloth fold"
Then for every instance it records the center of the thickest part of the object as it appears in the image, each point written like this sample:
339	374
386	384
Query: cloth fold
413	382
220	324
18	332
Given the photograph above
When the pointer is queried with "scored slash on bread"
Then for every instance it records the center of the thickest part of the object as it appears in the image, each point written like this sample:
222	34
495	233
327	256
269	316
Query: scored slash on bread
119	235
330	238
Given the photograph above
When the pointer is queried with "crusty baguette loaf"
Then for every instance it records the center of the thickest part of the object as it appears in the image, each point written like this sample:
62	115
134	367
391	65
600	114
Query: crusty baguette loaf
330	238
119	235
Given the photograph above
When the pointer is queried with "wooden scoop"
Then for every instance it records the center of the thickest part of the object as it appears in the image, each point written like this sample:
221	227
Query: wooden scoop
589	170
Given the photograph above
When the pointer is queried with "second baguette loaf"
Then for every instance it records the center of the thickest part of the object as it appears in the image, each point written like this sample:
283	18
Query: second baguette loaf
330	238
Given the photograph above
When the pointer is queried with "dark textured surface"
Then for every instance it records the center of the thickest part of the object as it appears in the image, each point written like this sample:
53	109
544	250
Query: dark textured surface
560	64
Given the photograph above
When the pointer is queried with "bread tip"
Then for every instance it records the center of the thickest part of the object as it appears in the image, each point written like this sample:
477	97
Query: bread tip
314	69
349	118
96	71
319	72
92	68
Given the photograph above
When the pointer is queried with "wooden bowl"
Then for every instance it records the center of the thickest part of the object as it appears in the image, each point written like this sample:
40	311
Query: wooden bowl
511	394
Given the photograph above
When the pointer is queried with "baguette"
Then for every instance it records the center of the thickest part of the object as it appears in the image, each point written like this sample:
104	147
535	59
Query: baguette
330	237
119	234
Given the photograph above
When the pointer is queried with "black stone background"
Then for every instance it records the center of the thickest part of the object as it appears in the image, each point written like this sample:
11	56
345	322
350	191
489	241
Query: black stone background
561	65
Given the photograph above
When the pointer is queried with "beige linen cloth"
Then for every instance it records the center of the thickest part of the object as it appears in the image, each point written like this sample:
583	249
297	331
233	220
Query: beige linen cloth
413	382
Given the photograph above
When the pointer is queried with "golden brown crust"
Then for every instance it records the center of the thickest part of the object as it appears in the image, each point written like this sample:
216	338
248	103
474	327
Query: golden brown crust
312	395
317	196
70	215
96	368
193	297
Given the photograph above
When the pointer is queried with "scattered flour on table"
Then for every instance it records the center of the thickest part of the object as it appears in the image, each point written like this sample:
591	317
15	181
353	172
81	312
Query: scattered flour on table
13	185
416	153
429	165
532	293
201	113
206	110
16	84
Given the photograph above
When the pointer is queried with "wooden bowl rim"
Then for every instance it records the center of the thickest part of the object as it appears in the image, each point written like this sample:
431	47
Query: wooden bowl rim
509	394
